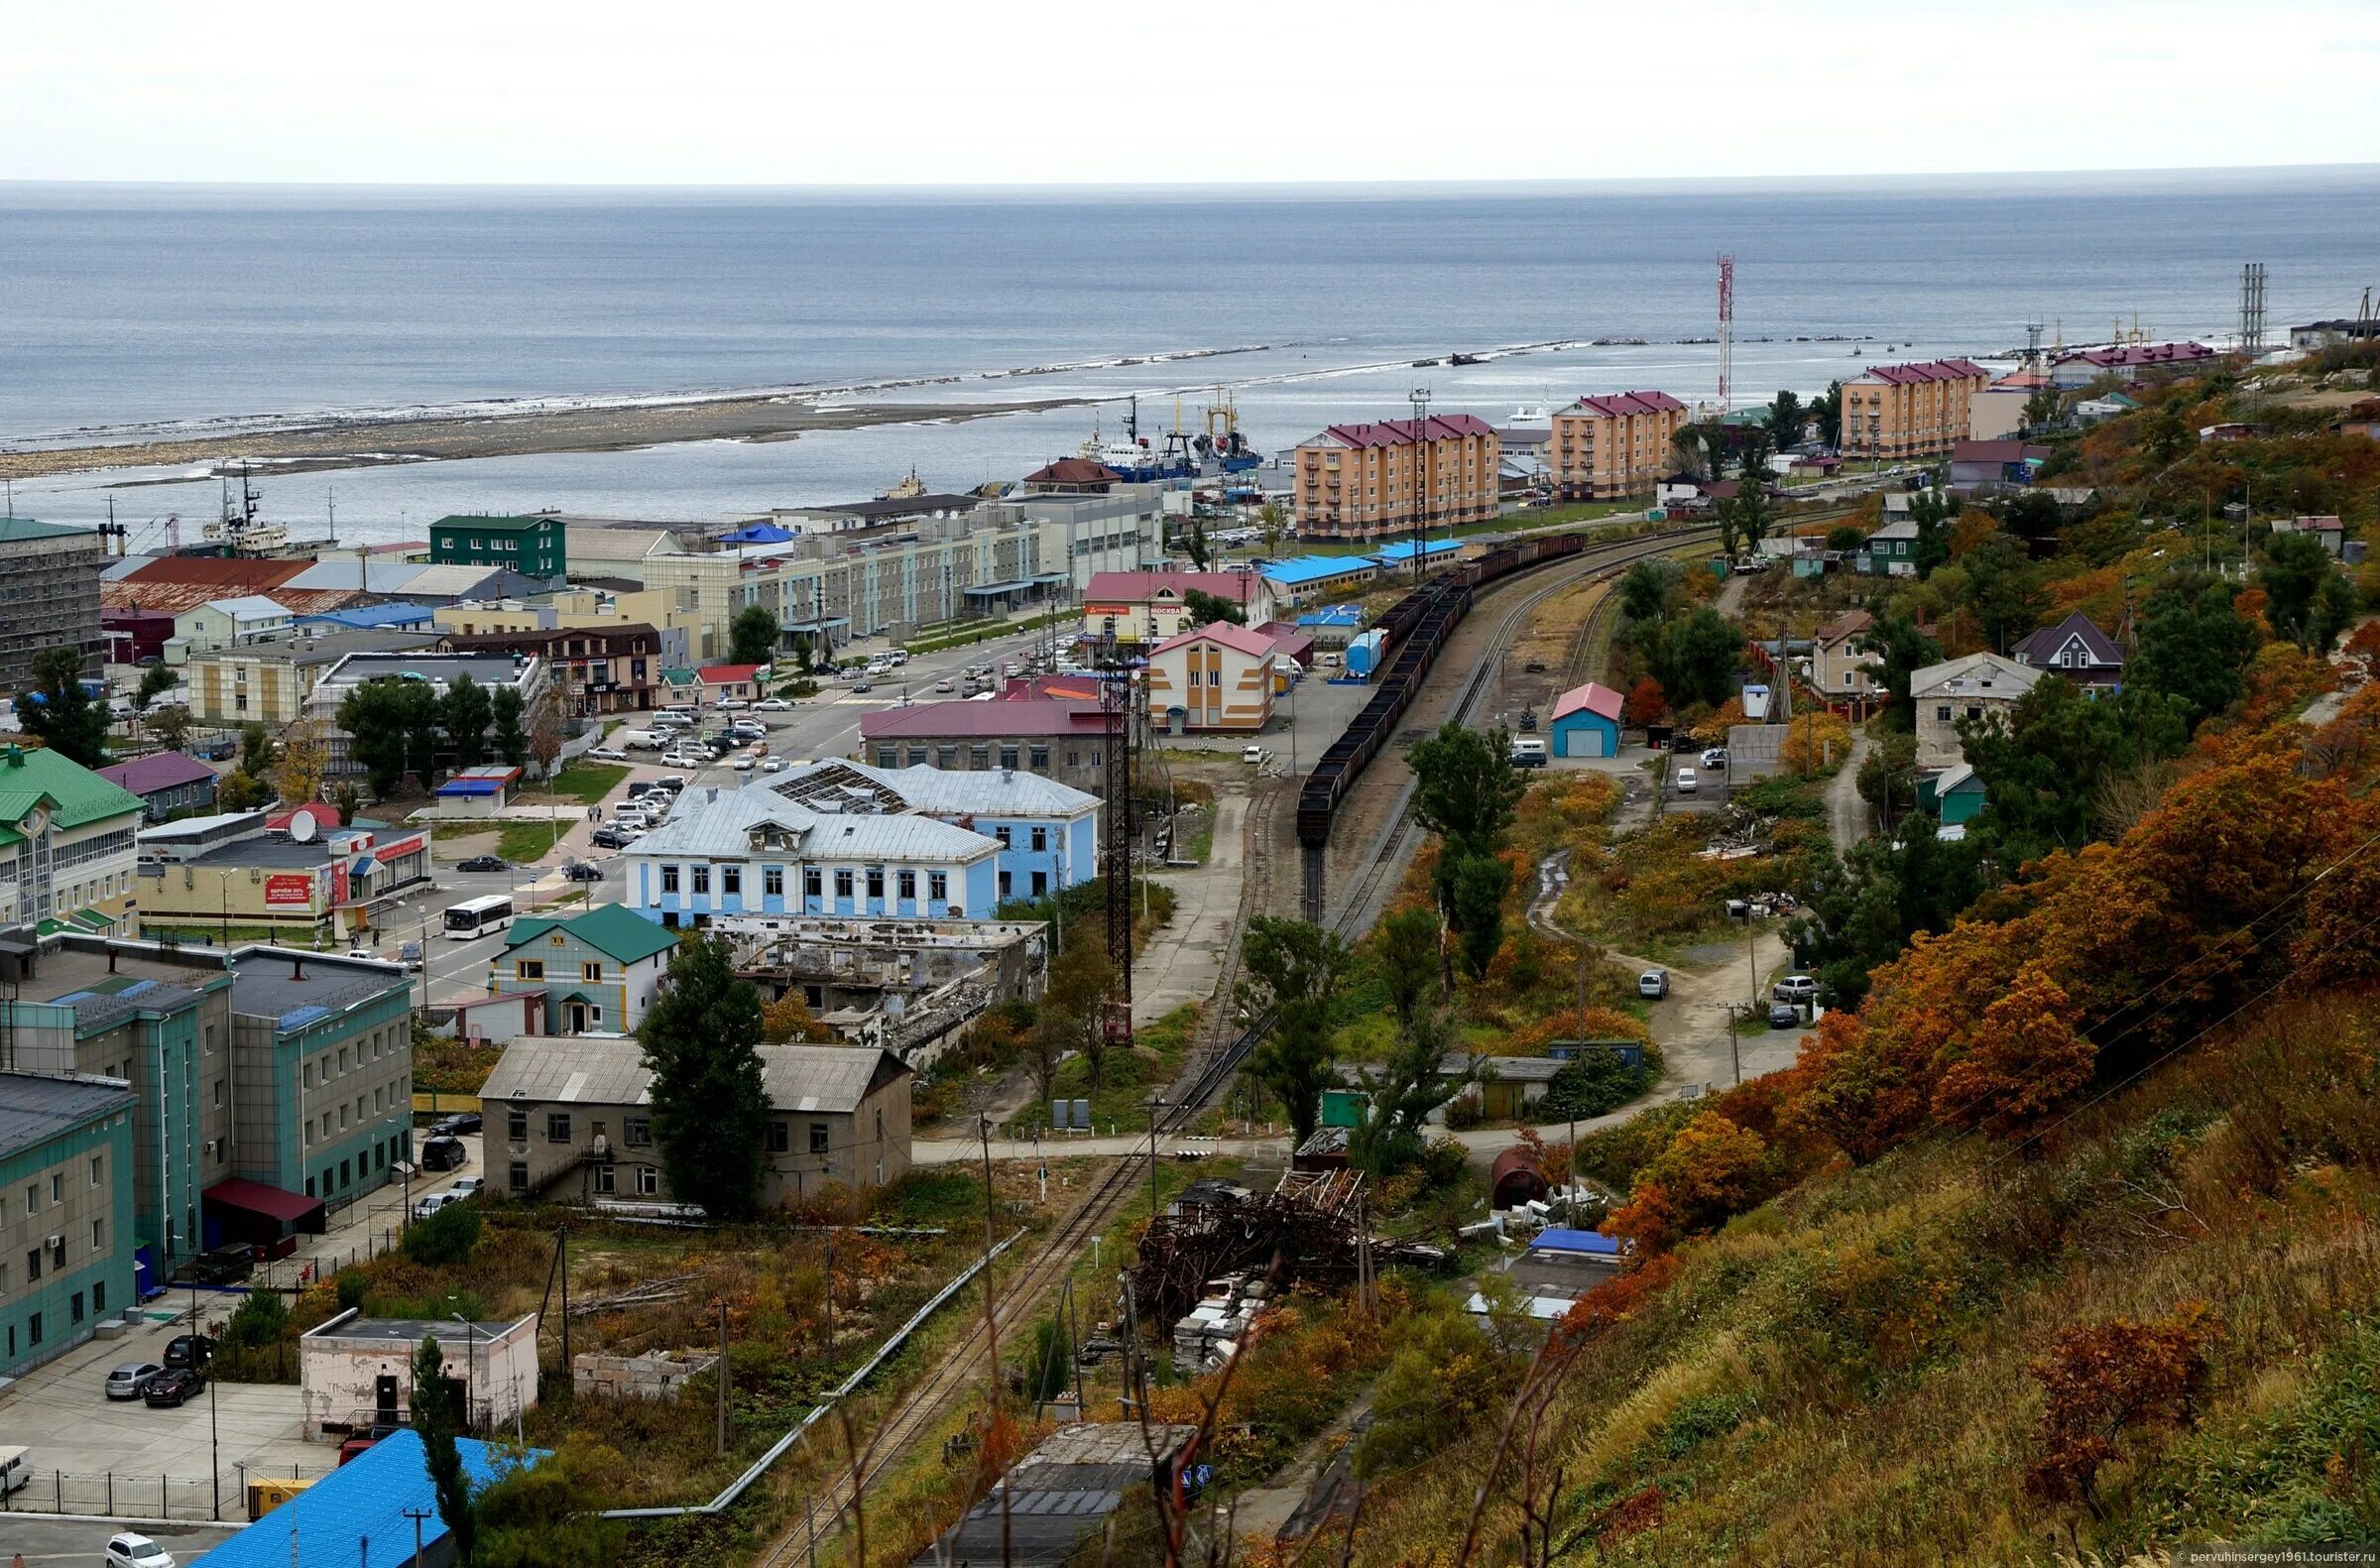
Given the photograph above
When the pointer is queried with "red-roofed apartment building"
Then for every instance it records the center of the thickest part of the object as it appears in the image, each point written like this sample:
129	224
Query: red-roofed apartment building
1152	606
1216	677
2132	361
1061	738
1910	411
1355	481
1606	448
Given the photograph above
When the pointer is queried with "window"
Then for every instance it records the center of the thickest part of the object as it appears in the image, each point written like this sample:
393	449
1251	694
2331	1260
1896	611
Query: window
557	1127
668	879
876	884
98	1236
979	757
97	1167
1008	756
702	879
916	757
57	1252
518	1175
219	1091
937	886
346	1174
772	882
906	883
638	1130
1040	882
843	882
1041	840
529	969
98	1295
946	757
32	1329
1074	758
1943	713
1005	882
649	1180
74	1307
33	1197
33	1264
887	757
590	971
817	1138
310	1186
515	1127
813	882
730	880
606	1180
1038	757
58	1186
779	1137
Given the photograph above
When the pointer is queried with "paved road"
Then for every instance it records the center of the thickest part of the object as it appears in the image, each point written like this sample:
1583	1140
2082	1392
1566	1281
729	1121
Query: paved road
77	1541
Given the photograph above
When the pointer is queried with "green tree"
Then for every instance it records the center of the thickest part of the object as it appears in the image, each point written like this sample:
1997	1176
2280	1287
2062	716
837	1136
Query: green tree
1744	518
2042	770
1294	971
1194	545
1644	588
1200	608
1901	650
169	726
1698	448
1476	903
1786	420
1465	791
2042	409
1694	658
1405	950
1860	911
2165	437
418	714
2033	516
1847	539
752	636
550	1515
258	754
371	715
2003	589
701	1037
240	790
1072	1015
2334	610
2191	644
60	712
154	684
258	1320
1402	1092
1275	526
2295	566
511	739
444	1240
1932	512
1826	410
464	714
439	1418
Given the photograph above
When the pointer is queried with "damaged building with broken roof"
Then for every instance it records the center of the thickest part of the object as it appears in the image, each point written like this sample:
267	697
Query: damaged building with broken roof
914	988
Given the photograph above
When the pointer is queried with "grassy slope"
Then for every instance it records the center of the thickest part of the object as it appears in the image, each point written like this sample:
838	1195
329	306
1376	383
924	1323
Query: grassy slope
1843	1376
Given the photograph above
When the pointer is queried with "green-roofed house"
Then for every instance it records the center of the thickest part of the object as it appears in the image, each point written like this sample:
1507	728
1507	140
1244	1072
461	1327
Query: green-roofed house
49	596
598	968
681	689
65	840
530	546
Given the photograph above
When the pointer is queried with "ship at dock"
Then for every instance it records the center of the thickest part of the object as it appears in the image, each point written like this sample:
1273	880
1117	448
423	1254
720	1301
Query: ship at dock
1180	453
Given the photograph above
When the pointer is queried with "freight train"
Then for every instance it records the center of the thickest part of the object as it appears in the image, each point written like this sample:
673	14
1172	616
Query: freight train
1418	627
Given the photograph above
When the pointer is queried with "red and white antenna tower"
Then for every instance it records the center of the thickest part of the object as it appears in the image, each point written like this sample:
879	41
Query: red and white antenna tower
1726	329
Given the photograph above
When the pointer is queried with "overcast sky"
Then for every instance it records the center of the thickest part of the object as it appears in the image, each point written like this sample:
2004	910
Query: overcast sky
1064	92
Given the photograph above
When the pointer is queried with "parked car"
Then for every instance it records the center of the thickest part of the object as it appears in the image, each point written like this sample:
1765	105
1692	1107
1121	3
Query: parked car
643	786
444	1153
423	1208
608	754
580	871
1716	759
457	1125
483	863
410	955
1528	751
1253	756
945	684
772	705
732	704
190	1350
135	1551
128	1380
1784	1016
1528	721
1653	984
1687	781
612	837
669	781
468	1186
173	1387
1795	987
364	953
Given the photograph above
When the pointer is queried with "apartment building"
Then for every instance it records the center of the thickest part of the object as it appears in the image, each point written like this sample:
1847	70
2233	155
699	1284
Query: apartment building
268	683
1211	678
48	596
1047	832
1893	412
1152	606
232	622
66	841
66	1213
1363	481
520	673
2131	362
1603	448
592	669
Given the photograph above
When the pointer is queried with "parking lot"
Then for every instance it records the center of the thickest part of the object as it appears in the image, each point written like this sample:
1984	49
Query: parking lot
42	1541
1711	787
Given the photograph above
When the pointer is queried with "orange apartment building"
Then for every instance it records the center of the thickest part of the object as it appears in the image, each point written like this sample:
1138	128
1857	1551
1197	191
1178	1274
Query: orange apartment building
1910	411
1212	678
1606	448
1357	481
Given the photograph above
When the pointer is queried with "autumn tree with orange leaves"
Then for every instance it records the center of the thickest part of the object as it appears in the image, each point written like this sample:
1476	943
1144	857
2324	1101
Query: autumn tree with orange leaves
2103	1379
2023	1062
1710	1170
1645	704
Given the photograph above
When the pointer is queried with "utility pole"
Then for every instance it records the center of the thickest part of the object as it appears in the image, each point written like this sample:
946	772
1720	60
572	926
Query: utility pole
982	1122
1155	1106
1420	400
721	1303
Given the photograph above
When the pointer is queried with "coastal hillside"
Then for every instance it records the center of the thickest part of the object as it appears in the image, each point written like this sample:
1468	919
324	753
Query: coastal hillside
2061	1244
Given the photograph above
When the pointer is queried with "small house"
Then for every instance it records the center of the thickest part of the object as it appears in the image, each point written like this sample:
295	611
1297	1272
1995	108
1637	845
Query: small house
1955	794
739	682
598	968
1891	551
355	1372
1586	721
166	782
1975	687
2078	649
1840	667
478	792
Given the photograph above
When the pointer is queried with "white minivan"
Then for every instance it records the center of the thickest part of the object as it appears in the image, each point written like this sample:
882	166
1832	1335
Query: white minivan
16	1468
1687	781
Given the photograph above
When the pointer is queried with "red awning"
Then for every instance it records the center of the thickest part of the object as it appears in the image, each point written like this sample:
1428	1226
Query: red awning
238	1192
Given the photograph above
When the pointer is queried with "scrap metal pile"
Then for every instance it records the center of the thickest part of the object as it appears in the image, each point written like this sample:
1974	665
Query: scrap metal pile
1306	1231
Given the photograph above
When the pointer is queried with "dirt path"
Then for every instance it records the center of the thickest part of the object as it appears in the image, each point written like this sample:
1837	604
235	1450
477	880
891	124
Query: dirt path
1848	815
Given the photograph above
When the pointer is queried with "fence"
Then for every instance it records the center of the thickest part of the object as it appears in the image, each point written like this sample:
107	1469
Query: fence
120	1495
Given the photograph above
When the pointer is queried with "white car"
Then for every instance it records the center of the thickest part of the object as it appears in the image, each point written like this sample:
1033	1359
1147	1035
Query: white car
773	765
1253	756
608	754
744	763
136	1551
468	1186
1687	781
772	705
732	704
430	1205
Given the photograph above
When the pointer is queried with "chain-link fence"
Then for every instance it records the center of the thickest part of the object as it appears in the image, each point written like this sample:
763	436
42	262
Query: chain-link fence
123	1494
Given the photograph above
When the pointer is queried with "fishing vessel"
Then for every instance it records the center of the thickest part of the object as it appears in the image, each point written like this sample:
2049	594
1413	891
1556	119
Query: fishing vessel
237	531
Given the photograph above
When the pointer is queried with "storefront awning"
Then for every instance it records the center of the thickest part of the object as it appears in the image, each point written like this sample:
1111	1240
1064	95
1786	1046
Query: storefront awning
826	624
987	590
254	1197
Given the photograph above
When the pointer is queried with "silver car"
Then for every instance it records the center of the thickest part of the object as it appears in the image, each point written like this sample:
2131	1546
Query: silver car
131	1379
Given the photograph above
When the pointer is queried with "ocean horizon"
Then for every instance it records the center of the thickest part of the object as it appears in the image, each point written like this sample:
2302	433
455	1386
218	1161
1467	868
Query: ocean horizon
146	310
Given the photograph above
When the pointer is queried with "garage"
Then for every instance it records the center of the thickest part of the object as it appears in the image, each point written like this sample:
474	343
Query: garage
1586	721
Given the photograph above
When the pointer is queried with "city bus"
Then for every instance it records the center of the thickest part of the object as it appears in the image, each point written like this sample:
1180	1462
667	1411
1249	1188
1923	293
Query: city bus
475	917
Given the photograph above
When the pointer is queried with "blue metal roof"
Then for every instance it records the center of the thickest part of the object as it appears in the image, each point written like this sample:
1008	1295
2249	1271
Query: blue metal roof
472	786
1333	615
1404	552
371	617
1317	569
1555	1239
355	1516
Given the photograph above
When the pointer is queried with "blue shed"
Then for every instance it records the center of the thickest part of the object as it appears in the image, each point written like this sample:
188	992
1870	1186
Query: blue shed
356	1516
1586	721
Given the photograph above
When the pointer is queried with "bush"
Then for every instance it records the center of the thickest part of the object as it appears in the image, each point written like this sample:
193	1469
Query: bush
446	1238
258	1320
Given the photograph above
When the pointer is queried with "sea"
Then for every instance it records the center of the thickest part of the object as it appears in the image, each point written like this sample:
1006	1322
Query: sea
140	312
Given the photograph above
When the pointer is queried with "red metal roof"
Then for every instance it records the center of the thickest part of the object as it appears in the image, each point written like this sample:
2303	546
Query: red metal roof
2133	355
159	770
1254	644
1996	451
728	674
238	1192
1139	587
1928	370
1592	698
965	720
1074	471
1399	433
1619	404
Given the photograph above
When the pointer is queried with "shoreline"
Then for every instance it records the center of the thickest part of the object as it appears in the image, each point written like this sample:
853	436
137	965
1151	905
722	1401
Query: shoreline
347	443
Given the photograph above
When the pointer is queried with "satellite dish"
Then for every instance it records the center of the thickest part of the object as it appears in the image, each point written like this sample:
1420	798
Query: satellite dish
303	828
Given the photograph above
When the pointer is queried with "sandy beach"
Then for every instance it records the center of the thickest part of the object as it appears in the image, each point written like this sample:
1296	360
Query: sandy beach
378	442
